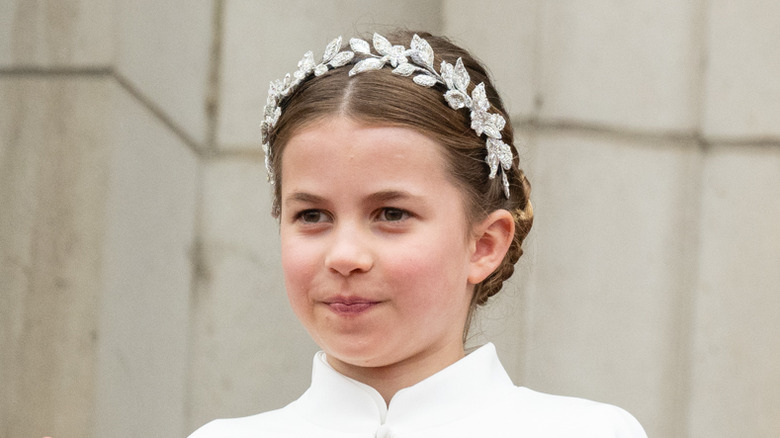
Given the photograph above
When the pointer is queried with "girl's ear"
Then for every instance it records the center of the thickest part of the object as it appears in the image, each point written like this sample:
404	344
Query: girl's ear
492	237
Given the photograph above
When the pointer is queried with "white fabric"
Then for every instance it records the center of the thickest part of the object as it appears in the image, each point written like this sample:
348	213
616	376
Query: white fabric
473	397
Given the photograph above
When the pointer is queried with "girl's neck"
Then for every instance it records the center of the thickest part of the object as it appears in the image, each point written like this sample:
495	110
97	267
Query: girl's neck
389	379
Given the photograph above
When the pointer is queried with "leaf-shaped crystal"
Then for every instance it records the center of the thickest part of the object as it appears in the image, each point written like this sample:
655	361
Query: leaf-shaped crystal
492	161
498	121
271	117
307	64
360	46
342	58
478	121
422	53
270	102
498	153
446	74
275	116
287	81
490	124
405	69
382	45
273	90
425	80
506	185
456	99
331	50
282	85
479	96
505	157
268	169
397	55
320	70
460	76
264	134
270	105
365	65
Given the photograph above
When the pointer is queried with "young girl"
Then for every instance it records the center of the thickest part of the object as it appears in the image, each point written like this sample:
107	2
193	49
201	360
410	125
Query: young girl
402	208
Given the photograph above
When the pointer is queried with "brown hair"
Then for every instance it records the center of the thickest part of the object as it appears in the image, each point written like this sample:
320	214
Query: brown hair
383	98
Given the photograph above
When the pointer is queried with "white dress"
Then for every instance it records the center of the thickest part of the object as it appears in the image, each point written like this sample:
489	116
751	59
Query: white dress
473	397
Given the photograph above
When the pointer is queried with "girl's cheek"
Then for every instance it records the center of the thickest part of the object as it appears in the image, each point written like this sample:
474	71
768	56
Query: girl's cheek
291	263
299	259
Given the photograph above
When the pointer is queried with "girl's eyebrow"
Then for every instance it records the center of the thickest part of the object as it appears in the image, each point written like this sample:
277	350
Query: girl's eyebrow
304	197
378	197
389	195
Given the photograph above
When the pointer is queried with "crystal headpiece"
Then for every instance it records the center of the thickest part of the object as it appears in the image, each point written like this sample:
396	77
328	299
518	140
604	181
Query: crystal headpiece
416	61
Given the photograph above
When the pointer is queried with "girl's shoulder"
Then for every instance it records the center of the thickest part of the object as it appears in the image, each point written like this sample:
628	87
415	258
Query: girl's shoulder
541	414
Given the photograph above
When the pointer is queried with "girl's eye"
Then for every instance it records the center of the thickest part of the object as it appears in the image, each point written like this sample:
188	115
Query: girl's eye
393	214
312	216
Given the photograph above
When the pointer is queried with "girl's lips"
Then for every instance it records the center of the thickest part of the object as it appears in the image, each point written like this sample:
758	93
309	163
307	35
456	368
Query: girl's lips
351	309
348	306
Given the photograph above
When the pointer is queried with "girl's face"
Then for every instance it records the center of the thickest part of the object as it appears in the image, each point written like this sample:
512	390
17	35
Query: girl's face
376	248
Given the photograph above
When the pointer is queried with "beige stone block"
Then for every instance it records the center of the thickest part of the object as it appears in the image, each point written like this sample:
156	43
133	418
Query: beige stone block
53	181
264	40
504	36
237	206
609	293
249	353
629	64
735	367
150	214
164	52
96	227
742	93
55	33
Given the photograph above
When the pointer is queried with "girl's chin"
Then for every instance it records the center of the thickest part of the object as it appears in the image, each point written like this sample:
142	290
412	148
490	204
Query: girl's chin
350	356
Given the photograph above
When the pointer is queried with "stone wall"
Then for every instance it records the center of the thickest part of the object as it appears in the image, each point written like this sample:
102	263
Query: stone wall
140	283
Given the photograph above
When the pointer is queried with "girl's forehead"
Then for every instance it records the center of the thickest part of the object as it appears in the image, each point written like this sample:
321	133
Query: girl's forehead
336	139
338	123
343	156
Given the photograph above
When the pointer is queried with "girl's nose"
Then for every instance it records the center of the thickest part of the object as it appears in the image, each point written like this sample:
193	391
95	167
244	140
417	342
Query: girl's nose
349	253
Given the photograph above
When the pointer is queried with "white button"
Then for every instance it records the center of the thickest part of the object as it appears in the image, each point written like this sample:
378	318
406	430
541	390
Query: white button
384	432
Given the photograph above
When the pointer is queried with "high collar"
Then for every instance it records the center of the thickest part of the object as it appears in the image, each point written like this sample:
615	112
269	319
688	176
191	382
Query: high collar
338	402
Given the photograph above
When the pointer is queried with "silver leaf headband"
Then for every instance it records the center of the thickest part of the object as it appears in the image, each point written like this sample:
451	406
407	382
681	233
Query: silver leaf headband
456	78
